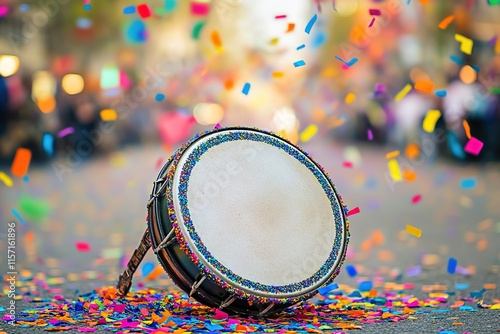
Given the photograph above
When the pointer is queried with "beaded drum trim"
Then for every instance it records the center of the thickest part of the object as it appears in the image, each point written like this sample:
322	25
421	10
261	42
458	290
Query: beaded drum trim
338	208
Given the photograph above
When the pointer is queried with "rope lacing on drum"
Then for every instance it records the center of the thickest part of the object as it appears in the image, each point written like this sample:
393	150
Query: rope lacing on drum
227	302
196	285
165	242
264	311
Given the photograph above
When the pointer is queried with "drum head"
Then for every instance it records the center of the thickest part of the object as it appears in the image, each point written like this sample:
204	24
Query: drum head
256	215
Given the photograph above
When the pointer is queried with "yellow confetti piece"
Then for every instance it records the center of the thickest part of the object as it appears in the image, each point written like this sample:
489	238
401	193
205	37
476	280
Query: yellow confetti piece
465	43
108	115
416	232
392	154
216	41
274	41
278	74
6	179
406	89
430	120
308	133
350	98
394	170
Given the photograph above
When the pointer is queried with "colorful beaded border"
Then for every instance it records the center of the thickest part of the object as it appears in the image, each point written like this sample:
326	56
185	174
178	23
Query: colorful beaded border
328	187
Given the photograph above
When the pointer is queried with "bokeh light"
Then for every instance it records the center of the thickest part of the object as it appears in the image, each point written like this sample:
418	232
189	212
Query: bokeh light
72	84
46	104
8	65
208	113
468	75
346	7
44	85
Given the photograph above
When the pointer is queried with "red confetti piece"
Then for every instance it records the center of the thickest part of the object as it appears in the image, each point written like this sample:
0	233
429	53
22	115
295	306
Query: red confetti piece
220	315
82	246
347	164
416	199
353	212
21	162
372	22
375	12
144	11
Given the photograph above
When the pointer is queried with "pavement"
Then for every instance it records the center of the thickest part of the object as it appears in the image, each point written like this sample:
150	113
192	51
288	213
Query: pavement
101	202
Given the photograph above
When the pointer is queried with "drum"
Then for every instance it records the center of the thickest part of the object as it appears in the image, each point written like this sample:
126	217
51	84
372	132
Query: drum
242	220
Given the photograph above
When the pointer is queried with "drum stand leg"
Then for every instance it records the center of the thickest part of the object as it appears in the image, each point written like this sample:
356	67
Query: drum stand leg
125	279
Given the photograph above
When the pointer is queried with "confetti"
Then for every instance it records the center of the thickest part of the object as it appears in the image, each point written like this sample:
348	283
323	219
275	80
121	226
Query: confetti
21	162
246	88
144	11
440	93
301	47
66	131
392	154
466	128
220	315
466	44
278	75
347	164
195	34
352	62
310	24
82	246
4	10
412	151
468	183
299	63
446	22
365	286
216	41
147	268
228	84
34	208
371	22
6	179
351	270
108	115
325	290
353	212
452	265
493	2
457	60
18	216
308	133
415	199
416	232
160	97
430	120
424	86
409	175
128	10
406	89
473	146
290	28
375	12
350	98
369	135
277	17
394	170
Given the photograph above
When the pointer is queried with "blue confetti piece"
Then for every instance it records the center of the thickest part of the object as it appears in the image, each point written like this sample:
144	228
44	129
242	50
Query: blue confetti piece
452	265
466	308
318	40
351	270
352	62
24	7
246	88
26	178
311	23
170	5
129	10
147	268
475	67
446	332
87	7
468	183
462	286
299	63
477	294
355	293
456	59
18	216
136	32
160	97
440	93
455	146
324	290
301	47
48	143
365	286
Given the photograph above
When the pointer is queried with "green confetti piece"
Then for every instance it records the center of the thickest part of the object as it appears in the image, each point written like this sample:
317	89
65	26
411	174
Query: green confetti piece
197	29
34	208
495	90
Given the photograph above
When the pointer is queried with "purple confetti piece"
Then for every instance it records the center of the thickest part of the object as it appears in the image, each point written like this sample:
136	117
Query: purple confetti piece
370	135
66	131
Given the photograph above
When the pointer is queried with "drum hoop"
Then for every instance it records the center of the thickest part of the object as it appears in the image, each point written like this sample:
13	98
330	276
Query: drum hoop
336	256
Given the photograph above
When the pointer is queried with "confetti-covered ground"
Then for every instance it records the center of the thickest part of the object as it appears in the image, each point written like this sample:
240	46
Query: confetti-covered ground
91	226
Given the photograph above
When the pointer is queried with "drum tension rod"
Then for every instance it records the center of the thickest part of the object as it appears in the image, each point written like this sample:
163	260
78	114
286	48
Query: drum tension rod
196	285
264	311
227	302
158	193
165	242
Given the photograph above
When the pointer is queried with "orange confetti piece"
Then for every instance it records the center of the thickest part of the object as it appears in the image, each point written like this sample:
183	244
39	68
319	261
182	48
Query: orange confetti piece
490	286
21	162
385	256
409	175
378	237
278	74
229	84
446	22
47	105
424	2
28	238
412	151
290	28
424	86
216	40
157	272
466	128
350	98
482	245
392	154
108	115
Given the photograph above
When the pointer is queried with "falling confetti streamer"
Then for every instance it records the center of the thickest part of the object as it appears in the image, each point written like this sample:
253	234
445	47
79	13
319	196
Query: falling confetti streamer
353	211
18	216
452	265
310	24
21	162
308	133
392	154
299	63
406	89
6	179
424	86
430	120
394	170
415	199
216	41
466	128
66	131
246	88
416	232
82	246
446	22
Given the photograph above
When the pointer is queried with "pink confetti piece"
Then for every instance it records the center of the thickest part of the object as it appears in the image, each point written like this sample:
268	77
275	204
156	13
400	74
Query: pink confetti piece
415	199
371	22
370	135
120	308
220	315
347	164
352	212
280	17
4	10
66	131
473	146
375	12
82	246
87	330
217	126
